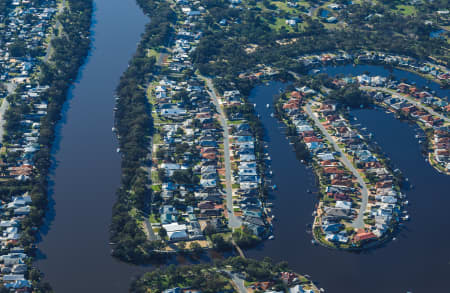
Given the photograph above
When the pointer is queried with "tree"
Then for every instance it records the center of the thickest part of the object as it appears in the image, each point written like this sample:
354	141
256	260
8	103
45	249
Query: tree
162	233
219	243
196	248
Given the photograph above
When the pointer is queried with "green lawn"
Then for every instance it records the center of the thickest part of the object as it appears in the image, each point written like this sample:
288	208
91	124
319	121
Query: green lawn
406	9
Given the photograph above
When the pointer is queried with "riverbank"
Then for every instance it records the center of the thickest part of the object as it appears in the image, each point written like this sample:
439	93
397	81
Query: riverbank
29	131
76	229
202	181
230	275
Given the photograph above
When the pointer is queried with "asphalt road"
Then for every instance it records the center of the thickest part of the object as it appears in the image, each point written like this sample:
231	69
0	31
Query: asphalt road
233	221
409	99
359	221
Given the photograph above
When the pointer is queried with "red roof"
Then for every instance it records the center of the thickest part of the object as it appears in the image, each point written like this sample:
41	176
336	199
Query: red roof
361	236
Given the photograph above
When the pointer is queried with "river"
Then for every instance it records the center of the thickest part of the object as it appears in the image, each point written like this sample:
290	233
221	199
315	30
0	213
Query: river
417	261
74	251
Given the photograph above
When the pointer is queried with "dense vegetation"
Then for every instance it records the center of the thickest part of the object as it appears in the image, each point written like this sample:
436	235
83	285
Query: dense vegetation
221	52
134	129
210	278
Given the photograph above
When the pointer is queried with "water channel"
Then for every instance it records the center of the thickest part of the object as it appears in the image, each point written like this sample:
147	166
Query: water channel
74	251
417	261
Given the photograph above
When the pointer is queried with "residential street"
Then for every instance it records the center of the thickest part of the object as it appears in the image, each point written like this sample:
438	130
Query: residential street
240	285
359	221
233	221
409	99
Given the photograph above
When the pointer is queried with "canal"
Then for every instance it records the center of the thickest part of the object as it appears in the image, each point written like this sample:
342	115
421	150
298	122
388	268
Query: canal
74	253
417	261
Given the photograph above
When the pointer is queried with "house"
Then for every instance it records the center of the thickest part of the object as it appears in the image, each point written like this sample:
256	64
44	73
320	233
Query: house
175	231
364	236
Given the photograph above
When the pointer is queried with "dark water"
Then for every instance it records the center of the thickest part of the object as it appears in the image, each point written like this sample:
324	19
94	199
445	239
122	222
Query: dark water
86	170
418	261
383	71
75	255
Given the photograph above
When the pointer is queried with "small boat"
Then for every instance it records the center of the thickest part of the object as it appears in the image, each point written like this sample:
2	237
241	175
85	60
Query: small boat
271	115
118	150
406	218
274	187
406	202
113	129
267	106
271	237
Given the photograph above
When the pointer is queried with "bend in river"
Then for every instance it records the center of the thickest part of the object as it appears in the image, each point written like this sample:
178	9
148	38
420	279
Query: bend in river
417	261
75	251
75	254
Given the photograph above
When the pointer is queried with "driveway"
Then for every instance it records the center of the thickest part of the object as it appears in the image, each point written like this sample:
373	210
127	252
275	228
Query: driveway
359	221
238	282
233	221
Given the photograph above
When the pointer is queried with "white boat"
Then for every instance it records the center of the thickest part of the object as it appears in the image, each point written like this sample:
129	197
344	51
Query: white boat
271	237
267	106
271	115
118	150
113	129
